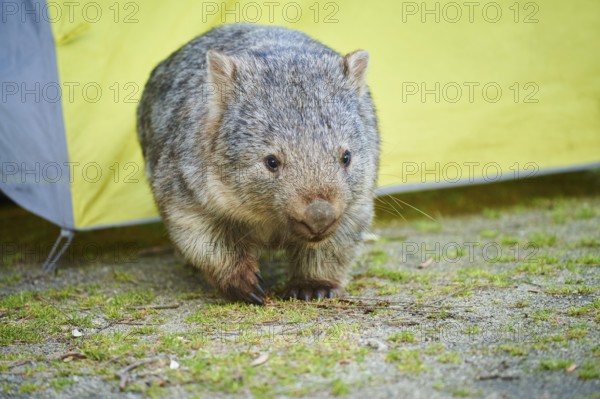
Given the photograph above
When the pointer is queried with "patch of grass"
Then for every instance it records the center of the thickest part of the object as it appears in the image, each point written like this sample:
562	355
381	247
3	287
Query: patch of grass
428	226
580	290
576	333
188	296
10	279
60	383
388	274
434	349
388	289
553	364
509	241
472	329
585	310
536	269
542	314
213	315
339	388
450	358
591	242
404	336
491	213
514	350
559	215
377	257
122	276
388	239
542	239
28	387
441	315
589	371
584	212
588	260
487	233
20	332
407	360
521	304
462	393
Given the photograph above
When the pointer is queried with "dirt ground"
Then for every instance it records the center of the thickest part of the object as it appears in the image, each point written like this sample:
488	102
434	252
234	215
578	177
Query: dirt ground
494	295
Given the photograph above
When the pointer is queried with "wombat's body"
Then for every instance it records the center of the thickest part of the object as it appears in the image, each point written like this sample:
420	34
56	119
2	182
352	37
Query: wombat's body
267	140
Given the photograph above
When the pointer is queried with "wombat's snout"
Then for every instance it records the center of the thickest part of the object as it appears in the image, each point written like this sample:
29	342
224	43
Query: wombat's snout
318	221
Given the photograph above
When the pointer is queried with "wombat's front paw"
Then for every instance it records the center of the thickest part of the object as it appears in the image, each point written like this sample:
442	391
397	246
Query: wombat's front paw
307	290
245	286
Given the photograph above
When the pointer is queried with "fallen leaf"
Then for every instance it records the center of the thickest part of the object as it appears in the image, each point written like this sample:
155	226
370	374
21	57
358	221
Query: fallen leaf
260	360
428	262
571	368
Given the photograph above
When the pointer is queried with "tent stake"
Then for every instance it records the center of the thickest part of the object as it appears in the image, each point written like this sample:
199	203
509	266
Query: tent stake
49	265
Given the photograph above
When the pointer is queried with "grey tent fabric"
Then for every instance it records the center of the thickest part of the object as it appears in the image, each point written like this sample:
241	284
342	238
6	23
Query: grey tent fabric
33	150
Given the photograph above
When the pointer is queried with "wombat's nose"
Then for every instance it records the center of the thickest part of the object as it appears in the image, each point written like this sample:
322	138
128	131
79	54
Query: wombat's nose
319	215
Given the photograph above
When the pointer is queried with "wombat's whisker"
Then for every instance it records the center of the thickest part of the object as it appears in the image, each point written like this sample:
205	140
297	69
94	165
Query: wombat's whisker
386	205
385	208
418	210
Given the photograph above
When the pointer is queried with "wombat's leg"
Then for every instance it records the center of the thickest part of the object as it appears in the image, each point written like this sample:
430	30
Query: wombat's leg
229	265
318	272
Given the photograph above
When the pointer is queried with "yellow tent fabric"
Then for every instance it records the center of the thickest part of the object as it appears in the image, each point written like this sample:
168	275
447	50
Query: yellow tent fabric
465	92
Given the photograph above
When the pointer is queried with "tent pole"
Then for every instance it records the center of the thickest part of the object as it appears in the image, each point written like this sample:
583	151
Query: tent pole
49	265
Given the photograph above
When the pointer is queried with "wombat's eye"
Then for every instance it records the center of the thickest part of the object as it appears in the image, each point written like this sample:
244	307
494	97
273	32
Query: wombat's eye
272	163
346	158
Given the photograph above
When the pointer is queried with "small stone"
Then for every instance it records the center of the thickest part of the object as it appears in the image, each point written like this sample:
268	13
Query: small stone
377	345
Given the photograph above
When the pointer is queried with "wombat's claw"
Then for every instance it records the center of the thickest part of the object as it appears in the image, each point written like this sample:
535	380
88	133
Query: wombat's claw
290	294
307	293
255	299
259	277
259	289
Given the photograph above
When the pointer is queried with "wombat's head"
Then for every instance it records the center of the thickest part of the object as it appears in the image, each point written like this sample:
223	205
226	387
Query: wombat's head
295	136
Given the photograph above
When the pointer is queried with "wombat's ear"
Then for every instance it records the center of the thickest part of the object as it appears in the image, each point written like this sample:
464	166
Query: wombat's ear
221	68
355	68
220	75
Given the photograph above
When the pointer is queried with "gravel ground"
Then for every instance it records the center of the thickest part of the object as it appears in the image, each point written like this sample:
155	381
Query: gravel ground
495	296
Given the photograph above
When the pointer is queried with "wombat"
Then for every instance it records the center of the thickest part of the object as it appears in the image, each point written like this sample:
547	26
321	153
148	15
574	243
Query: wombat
259	137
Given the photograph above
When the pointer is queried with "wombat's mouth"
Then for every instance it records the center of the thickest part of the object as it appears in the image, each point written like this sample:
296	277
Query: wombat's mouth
304	232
